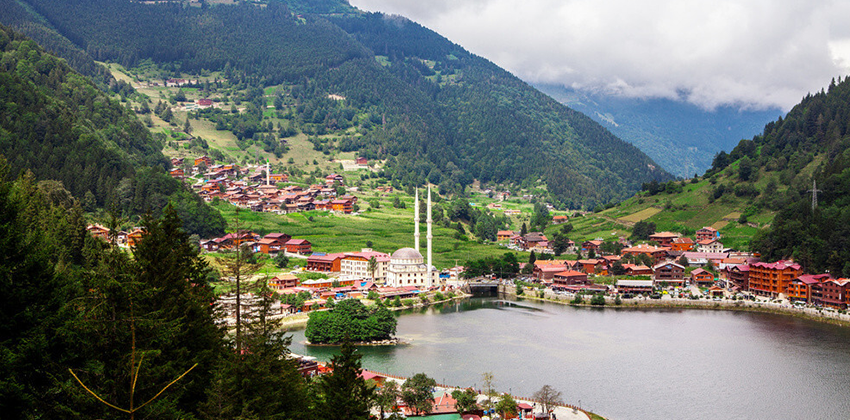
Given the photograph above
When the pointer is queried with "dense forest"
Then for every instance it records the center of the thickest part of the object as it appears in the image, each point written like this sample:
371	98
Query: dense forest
811	143
83	320
57	124
434	111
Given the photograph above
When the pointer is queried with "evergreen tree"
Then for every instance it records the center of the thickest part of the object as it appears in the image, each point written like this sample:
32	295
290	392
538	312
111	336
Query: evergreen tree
264	383
32	335
343	393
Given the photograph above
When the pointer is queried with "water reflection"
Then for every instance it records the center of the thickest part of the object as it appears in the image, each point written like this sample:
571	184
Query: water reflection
629	363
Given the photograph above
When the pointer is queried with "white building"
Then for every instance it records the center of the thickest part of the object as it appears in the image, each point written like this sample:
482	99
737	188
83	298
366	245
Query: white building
407	267
356	264
710	246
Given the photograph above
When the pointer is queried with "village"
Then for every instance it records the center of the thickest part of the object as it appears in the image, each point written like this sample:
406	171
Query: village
671	264
256	188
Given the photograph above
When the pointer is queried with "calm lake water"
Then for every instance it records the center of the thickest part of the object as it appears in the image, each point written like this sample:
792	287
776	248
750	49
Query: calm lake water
628	364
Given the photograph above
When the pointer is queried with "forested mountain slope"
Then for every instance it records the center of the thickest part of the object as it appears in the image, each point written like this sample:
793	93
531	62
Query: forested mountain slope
434	111
59	125
812	143
759	195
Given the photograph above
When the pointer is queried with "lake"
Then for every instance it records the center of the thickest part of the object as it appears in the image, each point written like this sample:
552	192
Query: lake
627	363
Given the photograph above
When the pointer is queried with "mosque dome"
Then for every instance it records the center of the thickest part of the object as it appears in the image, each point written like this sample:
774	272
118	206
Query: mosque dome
406	254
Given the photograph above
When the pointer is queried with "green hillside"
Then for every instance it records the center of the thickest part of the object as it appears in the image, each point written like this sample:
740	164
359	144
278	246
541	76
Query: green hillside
759	194
57	124
381	86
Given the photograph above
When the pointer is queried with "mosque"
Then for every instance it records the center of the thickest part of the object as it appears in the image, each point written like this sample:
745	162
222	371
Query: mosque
407	266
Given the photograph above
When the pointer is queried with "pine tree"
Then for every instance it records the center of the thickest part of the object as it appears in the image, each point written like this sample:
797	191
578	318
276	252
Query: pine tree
344	394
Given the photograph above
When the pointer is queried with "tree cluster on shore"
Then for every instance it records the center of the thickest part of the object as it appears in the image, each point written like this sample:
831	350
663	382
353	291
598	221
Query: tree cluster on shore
351	319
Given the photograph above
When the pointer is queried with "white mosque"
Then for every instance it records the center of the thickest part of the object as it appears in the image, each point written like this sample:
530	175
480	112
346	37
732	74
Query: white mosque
407	266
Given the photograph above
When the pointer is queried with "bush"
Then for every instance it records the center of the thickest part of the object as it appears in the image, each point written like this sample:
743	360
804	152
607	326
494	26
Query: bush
423	298
407	302
397	301
439	296
450	295
281	260
577	299
617	300
598	300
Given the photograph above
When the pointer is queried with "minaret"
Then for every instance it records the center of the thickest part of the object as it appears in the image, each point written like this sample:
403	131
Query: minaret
429	237
268	172
416	220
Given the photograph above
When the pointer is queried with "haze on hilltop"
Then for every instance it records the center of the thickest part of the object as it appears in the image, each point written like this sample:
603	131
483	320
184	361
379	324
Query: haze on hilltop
745	54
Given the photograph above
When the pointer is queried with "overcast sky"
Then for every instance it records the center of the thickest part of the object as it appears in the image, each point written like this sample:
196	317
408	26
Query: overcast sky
756	53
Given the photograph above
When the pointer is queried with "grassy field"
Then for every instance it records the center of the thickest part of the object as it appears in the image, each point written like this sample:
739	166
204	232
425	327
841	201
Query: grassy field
387	228
641	215
686	212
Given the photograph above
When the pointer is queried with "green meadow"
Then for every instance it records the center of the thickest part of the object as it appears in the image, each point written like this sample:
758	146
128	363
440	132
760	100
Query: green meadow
386	228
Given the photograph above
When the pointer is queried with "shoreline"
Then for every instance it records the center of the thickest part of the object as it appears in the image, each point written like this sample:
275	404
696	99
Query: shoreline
298	321
380	343
722	305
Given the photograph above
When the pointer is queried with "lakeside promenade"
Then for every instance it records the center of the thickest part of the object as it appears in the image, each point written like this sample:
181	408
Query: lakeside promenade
667	302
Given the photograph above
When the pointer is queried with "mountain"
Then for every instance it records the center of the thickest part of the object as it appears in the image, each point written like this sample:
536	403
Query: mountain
430	109
682	137
57	124
759	195
809	145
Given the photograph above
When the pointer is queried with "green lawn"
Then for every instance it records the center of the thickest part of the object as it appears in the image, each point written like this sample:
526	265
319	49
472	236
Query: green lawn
387	228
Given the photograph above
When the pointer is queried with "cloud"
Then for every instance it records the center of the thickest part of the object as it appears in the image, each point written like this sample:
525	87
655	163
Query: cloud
748	53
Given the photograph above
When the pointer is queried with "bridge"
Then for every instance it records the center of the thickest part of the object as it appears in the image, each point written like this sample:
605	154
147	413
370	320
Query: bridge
483	286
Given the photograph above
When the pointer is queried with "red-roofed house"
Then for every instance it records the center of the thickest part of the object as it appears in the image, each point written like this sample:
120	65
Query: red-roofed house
669	272
739	276
557	220
771	279
637	270
599	266
325	262
702	277
657	253
833	293
134	237
707	233
205	160
569	278
298	246
663	238
682	244
272	243
98	231
504	235
283	281
800	289
591	245
345	206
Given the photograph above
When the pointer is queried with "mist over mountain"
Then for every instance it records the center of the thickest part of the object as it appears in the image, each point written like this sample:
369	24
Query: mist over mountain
682	137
